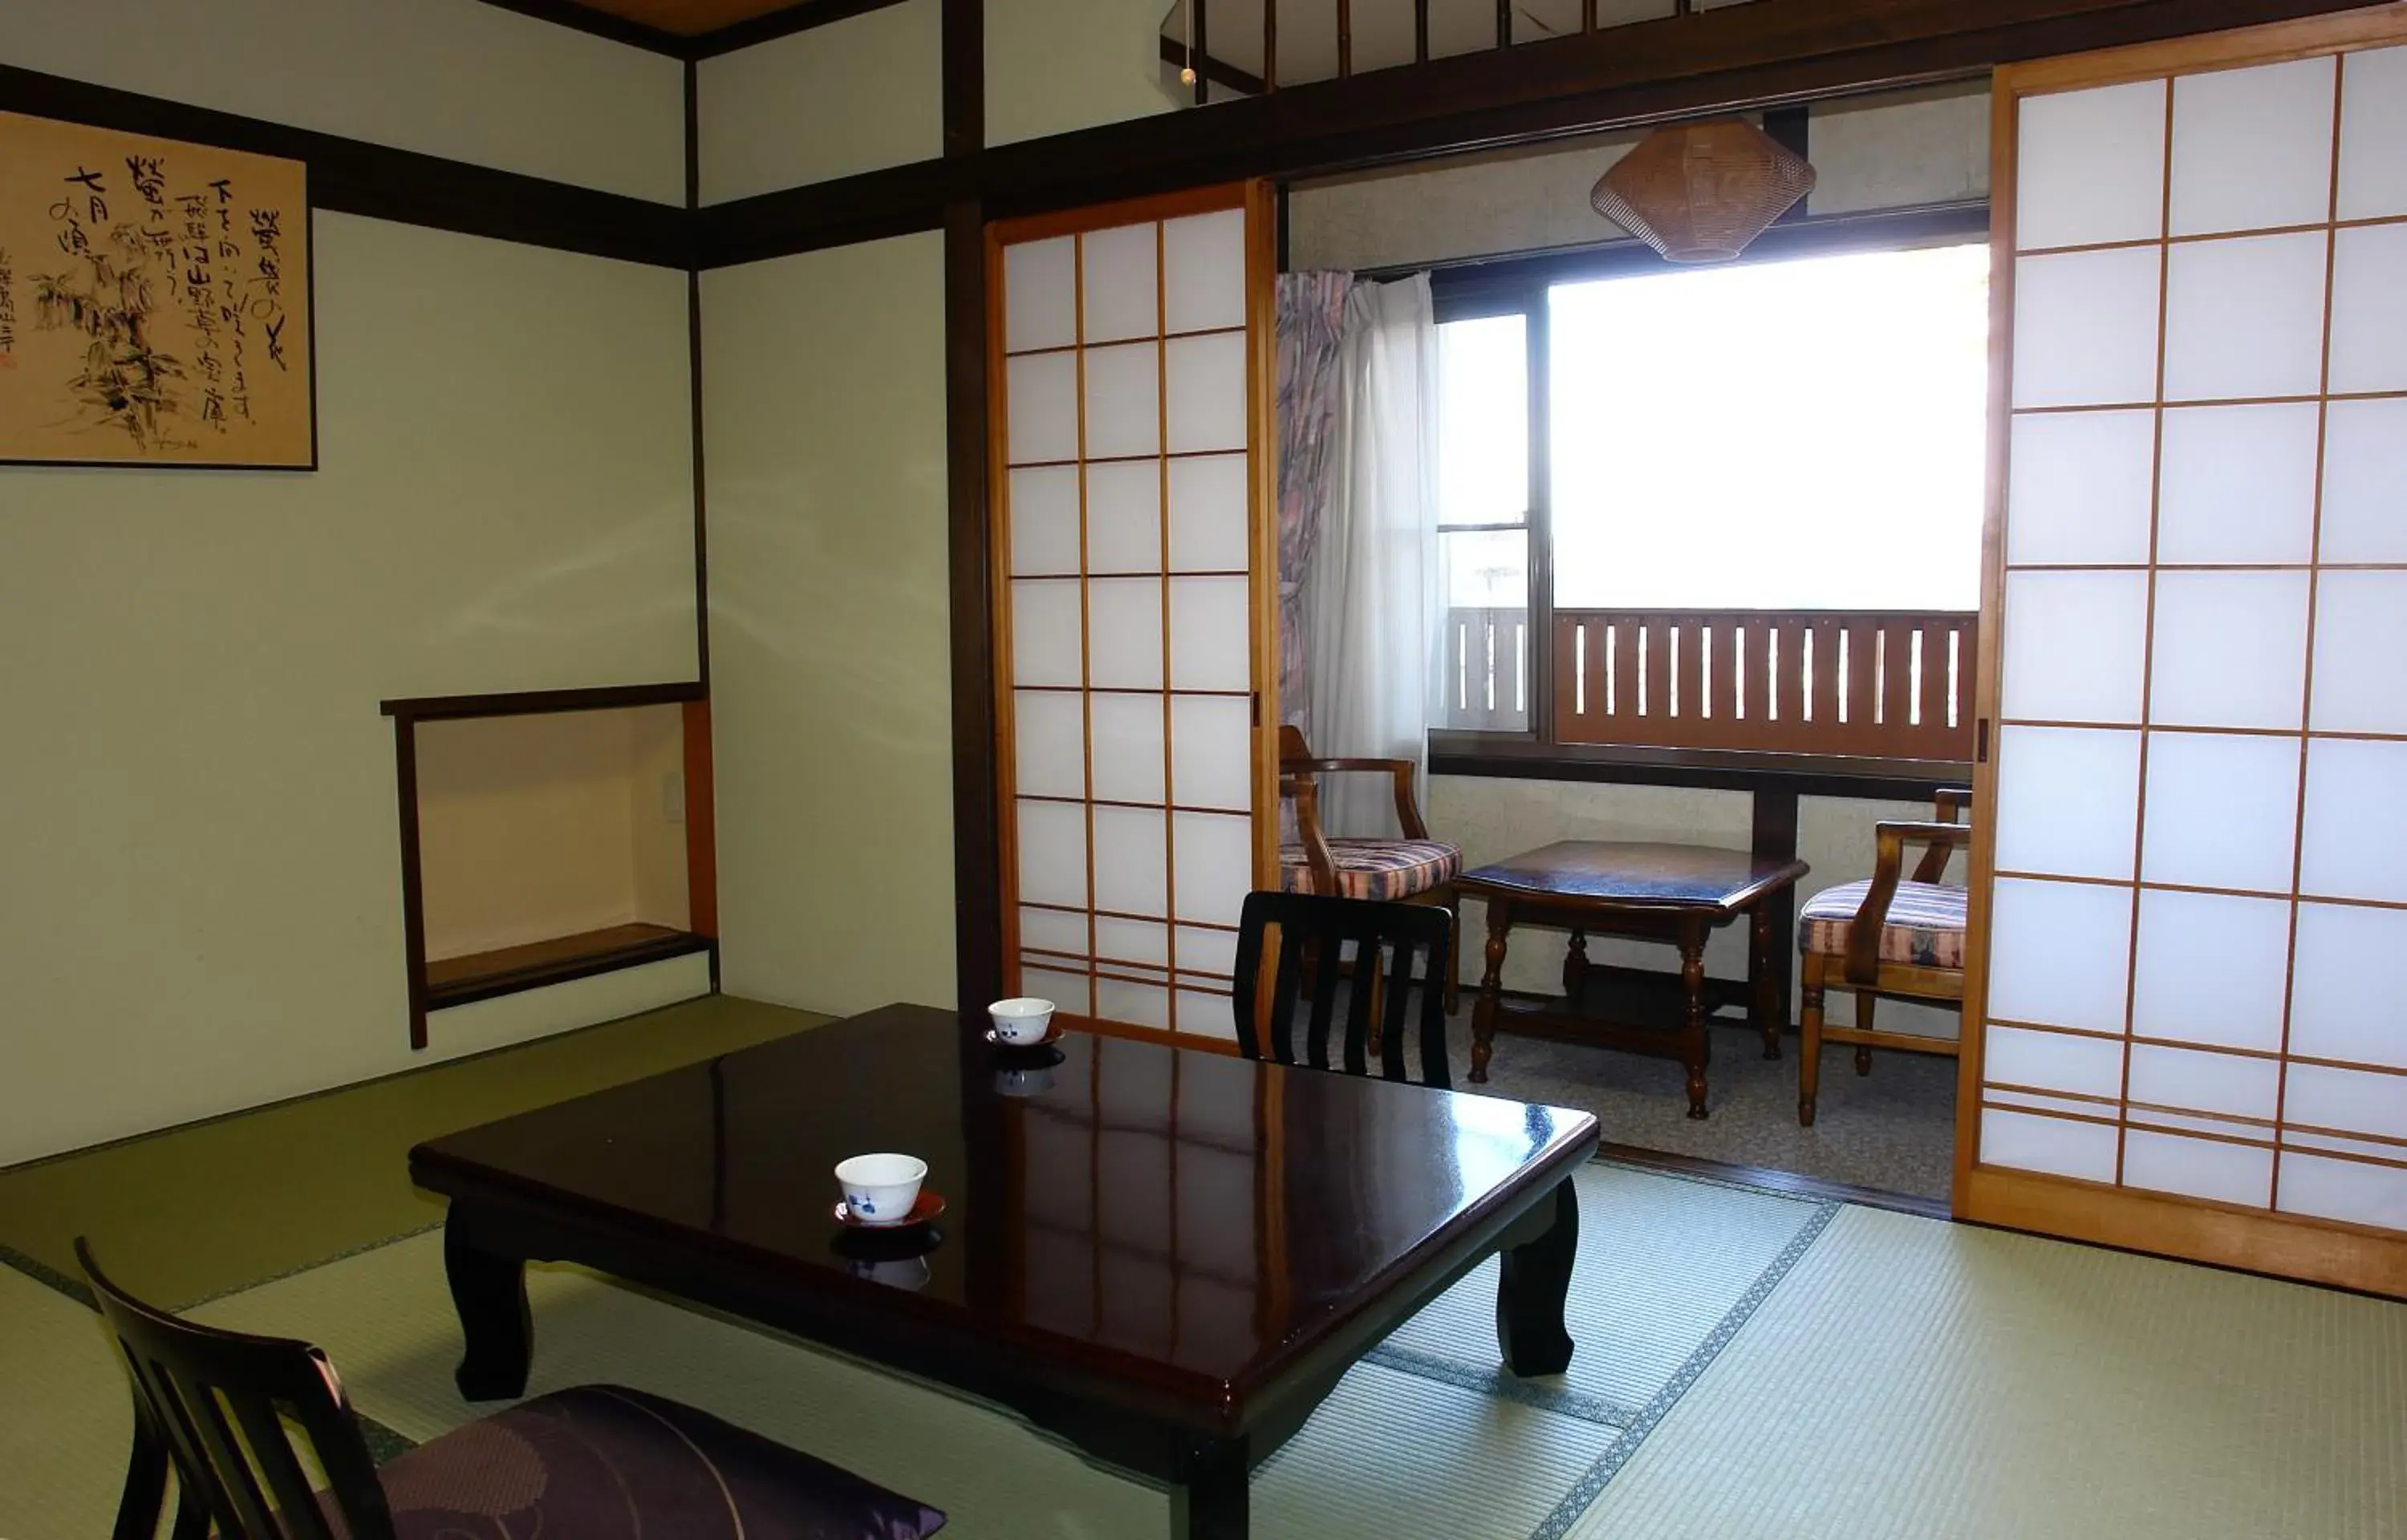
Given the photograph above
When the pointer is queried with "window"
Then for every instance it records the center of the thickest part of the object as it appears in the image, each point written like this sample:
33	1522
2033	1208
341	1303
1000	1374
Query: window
1483	479
1741	506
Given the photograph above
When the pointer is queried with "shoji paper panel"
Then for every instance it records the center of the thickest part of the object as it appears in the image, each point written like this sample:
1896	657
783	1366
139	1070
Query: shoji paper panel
1128	511
2200	837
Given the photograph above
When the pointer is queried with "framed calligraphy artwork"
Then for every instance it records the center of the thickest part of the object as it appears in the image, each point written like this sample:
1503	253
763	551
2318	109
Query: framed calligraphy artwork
154	302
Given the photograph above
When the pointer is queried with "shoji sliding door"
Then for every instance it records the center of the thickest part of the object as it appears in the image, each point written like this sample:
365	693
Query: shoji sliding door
2189	1035
1132	385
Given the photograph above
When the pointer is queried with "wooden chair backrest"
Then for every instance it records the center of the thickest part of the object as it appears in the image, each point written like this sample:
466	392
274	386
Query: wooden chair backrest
214	1405
1312	931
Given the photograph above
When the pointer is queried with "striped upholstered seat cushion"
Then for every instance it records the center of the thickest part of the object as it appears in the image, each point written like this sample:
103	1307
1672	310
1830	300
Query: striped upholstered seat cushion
1926	922
1376	868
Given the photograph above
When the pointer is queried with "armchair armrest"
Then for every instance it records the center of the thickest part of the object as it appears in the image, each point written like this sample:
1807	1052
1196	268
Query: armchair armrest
1950	802
1299	772
1863	936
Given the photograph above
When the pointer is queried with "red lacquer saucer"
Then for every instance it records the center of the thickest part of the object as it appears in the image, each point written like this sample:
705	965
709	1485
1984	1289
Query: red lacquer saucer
927	1208
1052	1035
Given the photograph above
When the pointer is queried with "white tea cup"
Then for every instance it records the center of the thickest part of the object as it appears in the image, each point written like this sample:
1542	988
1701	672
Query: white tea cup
879	1189
1021	1022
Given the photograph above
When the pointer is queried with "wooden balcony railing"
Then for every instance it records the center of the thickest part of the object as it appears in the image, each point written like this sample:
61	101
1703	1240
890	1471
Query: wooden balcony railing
1871	685
1487	683
1236	47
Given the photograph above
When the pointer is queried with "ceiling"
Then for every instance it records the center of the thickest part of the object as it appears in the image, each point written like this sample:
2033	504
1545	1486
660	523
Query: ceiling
688	17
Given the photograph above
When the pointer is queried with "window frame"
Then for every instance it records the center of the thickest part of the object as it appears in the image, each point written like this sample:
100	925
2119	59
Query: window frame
1519	285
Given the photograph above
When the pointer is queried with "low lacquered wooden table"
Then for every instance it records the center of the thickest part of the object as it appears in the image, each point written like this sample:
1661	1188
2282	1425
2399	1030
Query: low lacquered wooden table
1167	1257
1677	894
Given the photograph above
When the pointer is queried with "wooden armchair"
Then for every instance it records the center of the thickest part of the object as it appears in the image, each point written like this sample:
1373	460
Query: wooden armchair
1415	869
1893	934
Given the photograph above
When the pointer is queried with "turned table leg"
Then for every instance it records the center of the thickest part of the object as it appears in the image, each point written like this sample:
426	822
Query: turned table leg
1491	991
1694	1044
1771	1010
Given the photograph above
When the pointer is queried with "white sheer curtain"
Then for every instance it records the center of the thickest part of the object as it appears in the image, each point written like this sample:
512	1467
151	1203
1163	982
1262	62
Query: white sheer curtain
1373	594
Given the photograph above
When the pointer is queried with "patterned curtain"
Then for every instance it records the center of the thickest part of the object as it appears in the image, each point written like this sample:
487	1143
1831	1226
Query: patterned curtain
1311	319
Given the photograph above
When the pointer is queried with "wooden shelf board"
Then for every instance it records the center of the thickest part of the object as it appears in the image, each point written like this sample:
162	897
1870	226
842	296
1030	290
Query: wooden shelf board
483	975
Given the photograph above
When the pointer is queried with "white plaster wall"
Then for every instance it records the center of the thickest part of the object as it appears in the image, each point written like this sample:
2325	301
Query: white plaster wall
200	910
1055	65
1896	151
826	102
452	78
831	663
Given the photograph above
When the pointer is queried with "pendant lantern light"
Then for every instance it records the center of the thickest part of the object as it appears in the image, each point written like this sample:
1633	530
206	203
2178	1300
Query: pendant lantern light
1700	193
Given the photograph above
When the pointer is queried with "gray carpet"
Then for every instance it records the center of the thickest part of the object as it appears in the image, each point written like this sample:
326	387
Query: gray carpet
1894	1130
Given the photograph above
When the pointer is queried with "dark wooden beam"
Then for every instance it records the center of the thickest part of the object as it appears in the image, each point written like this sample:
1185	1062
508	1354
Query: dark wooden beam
1729	58
965	78
1774	836
779	23
353	177
1218	71
1469	286
901	201
801	16
599	23
977	819
1733	59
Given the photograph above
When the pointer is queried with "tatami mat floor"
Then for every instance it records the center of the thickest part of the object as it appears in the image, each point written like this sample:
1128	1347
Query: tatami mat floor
1751	1363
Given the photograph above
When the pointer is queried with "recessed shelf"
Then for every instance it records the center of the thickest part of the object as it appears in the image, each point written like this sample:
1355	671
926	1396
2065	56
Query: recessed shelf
549	836
484	975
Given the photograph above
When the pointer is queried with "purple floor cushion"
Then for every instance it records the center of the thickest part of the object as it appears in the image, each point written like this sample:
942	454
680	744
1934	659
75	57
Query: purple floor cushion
604	1463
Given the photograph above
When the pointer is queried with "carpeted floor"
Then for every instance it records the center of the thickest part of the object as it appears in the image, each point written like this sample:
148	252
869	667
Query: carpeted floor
1893	1130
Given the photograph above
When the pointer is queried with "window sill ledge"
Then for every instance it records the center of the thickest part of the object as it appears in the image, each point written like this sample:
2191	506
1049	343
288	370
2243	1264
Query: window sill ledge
1722	769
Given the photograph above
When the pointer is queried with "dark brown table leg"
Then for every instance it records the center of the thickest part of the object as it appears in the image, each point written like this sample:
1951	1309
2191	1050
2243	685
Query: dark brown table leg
1208	1501
1531	1284
489	1294
1575	971
1771	1010
1491	991
1694	1044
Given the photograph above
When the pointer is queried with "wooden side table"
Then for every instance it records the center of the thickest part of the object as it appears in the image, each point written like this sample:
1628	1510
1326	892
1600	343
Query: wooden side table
1675	893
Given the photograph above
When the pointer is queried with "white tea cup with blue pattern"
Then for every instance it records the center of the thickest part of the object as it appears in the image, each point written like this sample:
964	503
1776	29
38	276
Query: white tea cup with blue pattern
879	1189
1021	1022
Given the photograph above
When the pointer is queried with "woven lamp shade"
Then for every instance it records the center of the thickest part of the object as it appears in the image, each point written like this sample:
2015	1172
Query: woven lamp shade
1700	193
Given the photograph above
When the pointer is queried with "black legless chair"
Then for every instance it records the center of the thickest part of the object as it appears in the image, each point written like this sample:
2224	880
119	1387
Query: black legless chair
595	1463
1313	930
